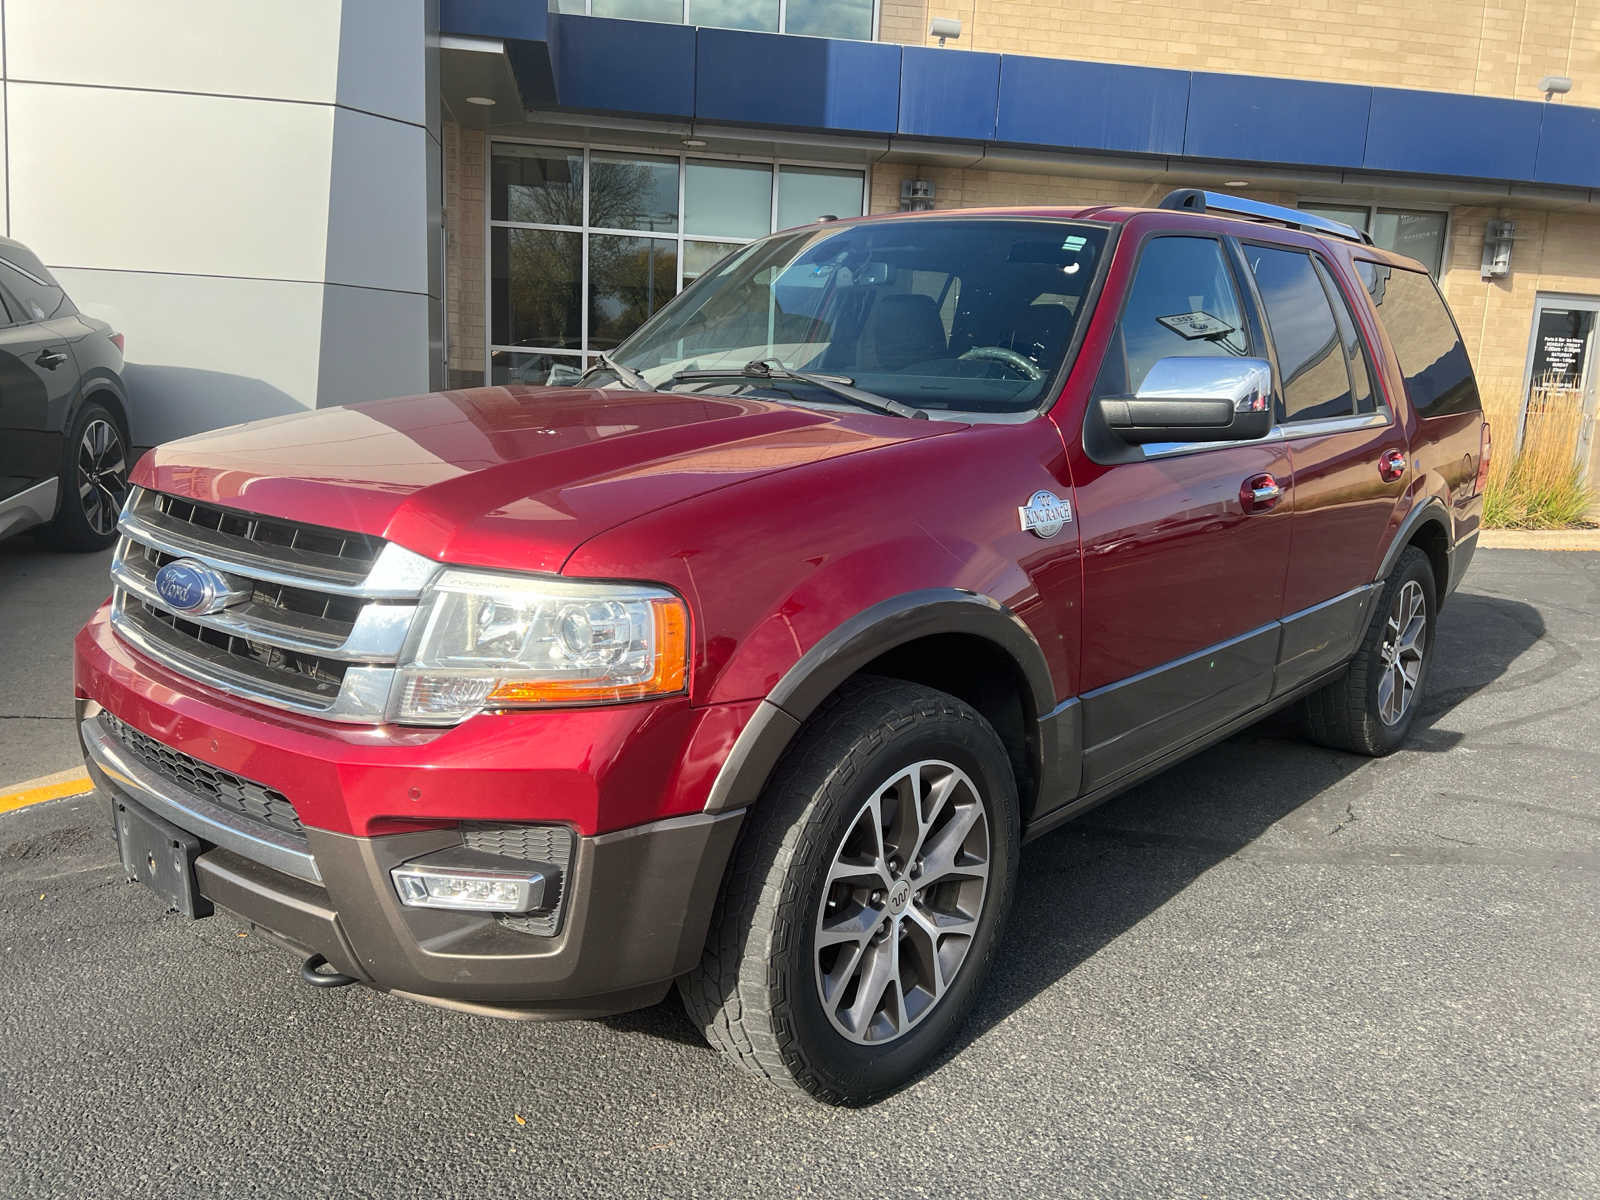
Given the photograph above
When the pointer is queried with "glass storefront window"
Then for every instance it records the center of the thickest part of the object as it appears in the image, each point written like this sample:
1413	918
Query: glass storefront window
629	278
562	287
830	18
633	193
735	14
535	283
807	194
537	185
727	199
818	18
700	257
1418	234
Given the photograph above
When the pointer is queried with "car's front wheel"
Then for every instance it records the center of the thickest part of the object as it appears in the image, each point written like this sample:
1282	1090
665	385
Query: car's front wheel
867	893
94	482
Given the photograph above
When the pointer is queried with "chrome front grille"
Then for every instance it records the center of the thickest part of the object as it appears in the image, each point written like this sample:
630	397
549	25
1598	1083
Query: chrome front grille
316	621
223	788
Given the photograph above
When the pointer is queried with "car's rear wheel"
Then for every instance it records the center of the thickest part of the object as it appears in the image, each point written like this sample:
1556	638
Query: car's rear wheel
1371	708
94	482
867	893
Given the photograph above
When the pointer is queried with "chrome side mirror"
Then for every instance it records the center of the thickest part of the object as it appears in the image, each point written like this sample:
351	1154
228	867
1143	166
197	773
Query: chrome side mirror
1184	399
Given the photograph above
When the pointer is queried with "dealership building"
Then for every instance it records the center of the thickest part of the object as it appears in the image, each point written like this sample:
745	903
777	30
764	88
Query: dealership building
314	202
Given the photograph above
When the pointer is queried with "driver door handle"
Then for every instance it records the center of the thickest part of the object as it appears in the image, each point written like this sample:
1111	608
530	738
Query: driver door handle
1259	493
50	359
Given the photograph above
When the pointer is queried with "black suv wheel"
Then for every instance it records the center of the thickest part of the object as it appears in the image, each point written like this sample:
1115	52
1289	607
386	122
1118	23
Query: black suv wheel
1371	708
861	911
94	482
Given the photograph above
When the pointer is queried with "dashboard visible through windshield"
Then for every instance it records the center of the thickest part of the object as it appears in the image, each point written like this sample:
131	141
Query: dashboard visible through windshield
971	315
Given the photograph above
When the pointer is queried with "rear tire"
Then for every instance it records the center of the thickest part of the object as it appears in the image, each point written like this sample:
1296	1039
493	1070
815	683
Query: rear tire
1370	709
94	482
788	988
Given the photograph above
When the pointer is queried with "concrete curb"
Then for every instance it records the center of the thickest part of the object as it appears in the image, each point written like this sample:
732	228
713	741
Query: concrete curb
1539	539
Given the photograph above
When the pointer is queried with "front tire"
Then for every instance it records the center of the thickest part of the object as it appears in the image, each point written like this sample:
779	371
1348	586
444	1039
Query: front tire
866	896
1371	708
94	482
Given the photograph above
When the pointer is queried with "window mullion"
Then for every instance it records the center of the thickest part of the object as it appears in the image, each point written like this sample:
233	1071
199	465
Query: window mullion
583	275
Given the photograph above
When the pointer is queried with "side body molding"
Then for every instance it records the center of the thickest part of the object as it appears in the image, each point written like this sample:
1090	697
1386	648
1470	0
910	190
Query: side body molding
866	636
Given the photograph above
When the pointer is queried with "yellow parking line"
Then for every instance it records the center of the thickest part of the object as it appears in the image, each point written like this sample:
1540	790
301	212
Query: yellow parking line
46	787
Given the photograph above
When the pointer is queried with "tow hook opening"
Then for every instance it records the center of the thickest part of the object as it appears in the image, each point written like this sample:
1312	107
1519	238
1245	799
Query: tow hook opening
312	974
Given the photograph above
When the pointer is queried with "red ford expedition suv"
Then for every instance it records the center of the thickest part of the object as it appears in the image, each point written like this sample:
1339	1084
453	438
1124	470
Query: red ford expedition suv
749	662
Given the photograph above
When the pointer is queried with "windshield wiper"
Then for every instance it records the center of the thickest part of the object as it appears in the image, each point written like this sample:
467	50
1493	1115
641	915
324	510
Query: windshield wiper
838	385
625	373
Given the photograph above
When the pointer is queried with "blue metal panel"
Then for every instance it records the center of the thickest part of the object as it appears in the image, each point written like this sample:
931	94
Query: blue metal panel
1091	106
805	82
948	93
1439	133
1569	146
1276	120
525	20
606	65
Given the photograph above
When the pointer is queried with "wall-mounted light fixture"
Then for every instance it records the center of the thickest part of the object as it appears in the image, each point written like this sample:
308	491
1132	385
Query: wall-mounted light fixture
916	195
1555	85
944	27
1497	238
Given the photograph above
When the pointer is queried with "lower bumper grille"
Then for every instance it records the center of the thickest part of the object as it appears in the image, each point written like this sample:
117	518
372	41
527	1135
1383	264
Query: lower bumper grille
222	788
547	844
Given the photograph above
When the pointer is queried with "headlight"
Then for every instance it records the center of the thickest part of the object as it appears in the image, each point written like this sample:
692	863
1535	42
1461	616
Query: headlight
503	641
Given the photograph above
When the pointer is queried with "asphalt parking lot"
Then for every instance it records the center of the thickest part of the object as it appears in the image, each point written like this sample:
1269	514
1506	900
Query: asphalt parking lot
1272	971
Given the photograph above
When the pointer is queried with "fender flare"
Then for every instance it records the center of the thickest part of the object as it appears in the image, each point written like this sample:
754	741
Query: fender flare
1431	511
843	652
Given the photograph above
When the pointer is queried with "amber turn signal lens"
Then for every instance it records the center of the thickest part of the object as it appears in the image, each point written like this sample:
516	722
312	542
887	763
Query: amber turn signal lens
671	670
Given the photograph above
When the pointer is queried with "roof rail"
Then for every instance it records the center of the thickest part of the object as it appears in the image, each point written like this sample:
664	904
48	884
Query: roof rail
1199	200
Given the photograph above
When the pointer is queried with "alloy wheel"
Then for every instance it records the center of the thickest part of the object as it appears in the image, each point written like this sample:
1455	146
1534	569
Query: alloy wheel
102	475
902	902
1404	641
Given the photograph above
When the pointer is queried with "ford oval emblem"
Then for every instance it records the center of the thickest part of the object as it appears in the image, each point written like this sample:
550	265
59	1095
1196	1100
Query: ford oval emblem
189	586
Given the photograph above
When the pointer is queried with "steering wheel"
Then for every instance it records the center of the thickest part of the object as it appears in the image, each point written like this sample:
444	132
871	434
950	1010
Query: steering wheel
1020	363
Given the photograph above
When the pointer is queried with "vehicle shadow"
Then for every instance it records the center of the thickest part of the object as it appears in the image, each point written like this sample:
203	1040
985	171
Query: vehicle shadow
1076	892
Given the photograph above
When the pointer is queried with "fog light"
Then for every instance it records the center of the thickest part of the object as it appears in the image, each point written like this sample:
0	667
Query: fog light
451	879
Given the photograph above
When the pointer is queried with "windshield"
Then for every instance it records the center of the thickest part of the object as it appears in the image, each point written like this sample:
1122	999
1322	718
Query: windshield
968	315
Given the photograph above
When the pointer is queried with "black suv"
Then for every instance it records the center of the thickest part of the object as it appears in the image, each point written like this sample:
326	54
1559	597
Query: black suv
63	411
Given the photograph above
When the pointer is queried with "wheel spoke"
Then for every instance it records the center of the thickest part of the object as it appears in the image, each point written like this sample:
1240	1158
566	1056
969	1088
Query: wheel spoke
877	973
1386	694
844	970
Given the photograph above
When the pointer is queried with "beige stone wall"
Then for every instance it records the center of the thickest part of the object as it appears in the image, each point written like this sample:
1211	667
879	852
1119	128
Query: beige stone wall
1553	252
1488	47
465	185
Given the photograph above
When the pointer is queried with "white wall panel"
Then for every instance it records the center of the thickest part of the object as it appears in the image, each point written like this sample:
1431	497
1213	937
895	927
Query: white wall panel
195	184
374	344
382	47
204	352
378	204
286	49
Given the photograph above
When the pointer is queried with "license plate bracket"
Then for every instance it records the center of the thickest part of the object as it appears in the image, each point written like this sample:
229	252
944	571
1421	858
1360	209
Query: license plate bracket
161	856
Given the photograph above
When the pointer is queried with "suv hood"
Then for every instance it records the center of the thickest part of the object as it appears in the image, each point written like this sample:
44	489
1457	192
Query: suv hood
514	477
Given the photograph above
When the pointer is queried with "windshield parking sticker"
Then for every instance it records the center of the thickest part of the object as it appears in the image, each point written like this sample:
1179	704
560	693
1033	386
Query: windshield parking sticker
1193	325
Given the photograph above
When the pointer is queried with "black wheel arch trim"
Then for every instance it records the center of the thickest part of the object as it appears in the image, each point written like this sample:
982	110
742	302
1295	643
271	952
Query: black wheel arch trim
1431	511
850	647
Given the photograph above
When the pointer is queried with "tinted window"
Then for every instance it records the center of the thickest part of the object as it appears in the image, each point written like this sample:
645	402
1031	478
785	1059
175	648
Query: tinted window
1354	352
1182	303
1434	362
1310	353
32	285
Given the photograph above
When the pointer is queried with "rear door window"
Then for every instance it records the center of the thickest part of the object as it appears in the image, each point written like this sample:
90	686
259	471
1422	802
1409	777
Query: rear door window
1355	353
1182	302
1311	356
1438	374
32	285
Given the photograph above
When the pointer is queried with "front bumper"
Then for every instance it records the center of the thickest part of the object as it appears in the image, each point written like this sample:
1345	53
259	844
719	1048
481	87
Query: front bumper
635	901
635	908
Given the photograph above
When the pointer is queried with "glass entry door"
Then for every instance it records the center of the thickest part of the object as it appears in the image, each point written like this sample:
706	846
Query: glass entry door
1559	388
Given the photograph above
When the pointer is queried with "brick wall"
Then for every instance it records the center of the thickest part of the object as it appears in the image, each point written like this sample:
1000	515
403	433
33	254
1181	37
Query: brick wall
1488	47
464	185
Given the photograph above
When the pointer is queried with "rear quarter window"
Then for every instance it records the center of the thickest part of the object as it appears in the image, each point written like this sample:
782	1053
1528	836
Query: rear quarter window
1438	375
33	287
